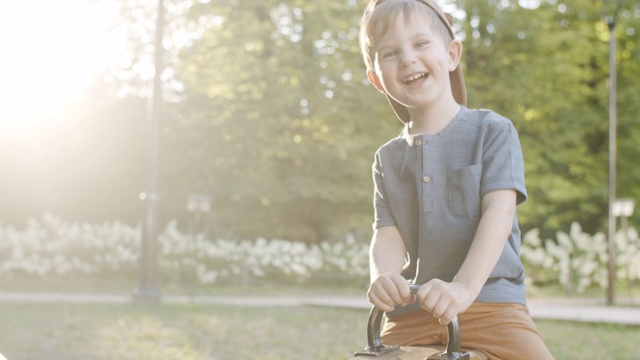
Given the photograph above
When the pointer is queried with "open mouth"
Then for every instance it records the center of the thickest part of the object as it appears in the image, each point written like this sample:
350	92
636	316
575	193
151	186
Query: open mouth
414	77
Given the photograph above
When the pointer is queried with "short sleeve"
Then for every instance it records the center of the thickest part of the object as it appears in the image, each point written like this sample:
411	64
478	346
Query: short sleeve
502	160
382	211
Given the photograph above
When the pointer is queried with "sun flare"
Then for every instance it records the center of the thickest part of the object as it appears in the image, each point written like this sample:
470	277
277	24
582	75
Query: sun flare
52	51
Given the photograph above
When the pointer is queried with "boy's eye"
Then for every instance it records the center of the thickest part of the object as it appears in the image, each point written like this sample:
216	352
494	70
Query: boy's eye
389	54
420	44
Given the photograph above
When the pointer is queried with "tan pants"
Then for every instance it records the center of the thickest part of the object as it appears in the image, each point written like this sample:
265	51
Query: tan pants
502	331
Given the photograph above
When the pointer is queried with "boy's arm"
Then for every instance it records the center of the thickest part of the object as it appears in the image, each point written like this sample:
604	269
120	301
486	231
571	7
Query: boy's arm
387	258
445	300
498	210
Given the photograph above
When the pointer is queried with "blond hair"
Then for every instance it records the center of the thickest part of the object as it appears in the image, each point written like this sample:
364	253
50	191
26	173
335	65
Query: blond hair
380	15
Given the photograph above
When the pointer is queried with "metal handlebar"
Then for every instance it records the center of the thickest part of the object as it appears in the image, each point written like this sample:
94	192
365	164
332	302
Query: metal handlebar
376	348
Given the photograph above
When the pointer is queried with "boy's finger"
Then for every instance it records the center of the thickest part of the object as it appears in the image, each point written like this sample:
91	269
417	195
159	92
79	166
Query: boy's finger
403	290
447	316
378	303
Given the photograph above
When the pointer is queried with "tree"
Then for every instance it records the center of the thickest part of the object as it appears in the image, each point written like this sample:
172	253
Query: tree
545	68
275	102
268	109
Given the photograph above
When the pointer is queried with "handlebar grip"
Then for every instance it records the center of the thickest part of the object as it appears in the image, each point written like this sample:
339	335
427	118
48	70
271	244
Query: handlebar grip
376	348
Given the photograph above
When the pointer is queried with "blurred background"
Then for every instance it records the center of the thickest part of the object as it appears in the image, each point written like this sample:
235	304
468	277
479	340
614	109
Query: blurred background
268	126
243	169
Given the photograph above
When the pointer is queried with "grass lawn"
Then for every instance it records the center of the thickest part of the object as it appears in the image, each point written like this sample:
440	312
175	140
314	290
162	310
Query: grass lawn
177	332
61	331
193	332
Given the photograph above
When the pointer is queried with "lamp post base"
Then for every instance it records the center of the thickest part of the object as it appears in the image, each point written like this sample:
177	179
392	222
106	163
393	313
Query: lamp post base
146	294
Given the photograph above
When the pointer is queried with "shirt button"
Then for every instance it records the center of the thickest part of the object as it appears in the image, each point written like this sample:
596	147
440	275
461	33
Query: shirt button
425	179
418	142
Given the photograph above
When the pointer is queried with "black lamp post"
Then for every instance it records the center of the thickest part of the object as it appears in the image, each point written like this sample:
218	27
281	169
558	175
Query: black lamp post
610	10
148	286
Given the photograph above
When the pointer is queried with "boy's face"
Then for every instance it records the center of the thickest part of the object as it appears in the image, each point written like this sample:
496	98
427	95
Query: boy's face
412	63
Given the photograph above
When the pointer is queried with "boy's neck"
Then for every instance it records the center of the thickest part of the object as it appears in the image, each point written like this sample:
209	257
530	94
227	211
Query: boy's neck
432	121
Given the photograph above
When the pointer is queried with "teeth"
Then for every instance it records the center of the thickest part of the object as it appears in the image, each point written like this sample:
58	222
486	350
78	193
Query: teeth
415	77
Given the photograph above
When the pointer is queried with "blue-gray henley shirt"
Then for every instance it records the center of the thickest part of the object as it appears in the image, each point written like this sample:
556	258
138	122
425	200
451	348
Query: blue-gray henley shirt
431	187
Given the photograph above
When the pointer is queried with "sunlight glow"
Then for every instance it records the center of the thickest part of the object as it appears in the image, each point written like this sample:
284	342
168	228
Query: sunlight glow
51	52
529	4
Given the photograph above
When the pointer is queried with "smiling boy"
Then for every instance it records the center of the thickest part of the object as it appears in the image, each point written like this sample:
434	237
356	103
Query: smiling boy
445	197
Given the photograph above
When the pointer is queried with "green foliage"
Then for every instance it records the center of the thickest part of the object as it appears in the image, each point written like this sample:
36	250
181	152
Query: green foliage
549	76
268	110
277	118
274	103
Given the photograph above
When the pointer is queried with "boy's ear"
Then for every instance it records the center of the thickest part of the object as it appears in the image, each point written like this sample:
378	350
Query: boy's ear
455	54
375	80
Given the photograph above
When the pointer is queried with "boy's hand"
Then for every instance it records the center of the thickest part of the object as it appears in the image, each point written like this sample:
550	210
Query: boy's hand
445	300
389	290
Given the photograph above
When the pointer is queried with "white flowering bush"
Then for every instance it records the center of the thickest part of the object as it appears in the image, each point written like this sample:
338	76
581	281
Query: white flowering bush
628	255
578	260
52	247
210	261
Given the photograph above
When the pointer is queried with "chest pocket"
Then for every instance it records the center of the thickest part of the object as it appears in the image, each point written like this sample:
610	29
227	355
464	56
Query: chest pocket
464	190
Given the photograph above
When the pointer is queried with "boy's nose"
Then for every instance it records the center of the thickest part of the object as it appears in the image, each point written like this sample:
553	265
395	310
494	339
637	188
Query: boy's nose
407	59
